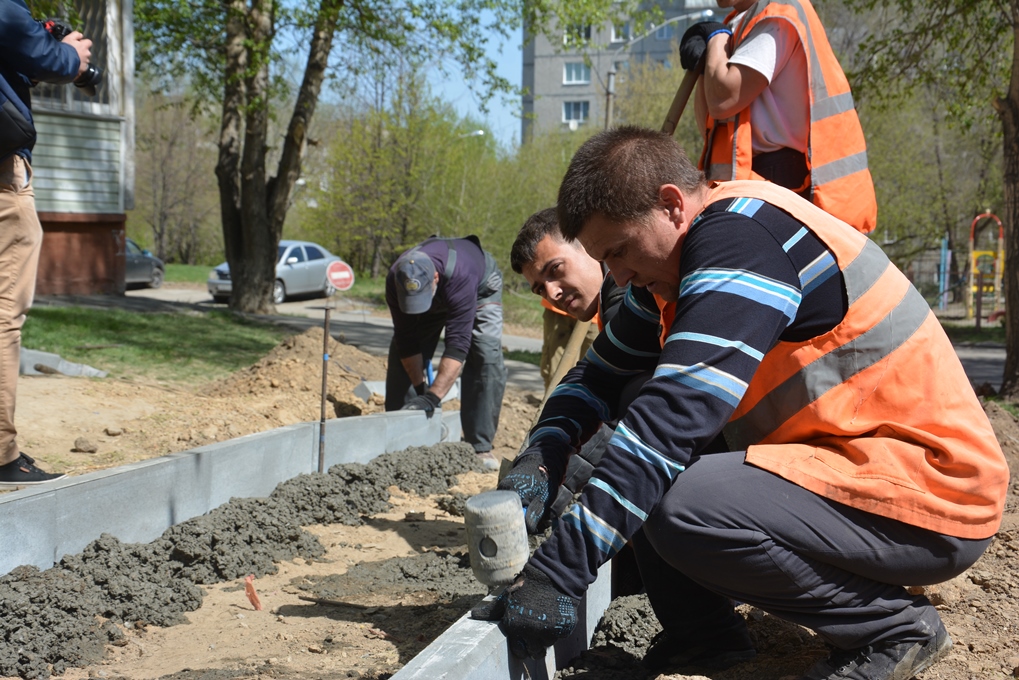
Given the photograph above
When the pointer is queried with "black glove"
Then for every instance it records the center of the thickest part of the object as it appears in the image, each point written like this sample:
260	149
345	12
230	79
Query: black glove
695	41
421	389
535	614
427	402
531	483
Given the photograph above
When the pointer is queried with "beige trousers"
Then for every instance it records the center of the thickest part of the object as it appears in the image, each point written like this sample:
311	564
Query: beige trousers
20	243
557	331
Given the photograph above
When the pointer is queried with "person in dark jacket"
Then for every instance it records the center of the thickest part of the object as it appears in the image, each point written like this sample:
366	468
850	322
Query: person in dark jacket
581	289
28	54
449	285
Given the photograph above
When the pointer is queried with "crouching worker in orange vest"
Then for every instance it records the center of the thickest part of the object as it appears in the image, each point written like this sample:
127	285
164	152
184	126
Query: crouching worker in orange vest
773	103
855	458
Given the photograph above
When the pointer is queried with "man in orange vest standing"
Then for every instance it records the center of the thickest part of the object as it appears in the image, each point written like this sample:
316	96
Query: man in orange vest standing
808	444
773	103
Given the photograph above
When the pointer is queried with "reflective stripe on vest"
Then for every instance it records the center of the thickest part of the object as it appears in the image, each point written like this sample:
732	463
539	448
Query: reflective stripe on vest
840	363
841	183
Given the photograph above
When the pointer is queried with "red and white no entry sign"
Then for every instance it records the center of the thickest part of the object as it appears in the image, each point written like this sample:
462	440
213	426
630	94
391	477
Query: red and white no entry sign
340	275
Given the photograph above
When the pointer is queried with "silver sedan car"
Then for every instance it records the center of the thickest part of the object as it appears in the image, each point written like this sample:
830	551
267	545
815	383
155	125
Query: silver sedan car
300	269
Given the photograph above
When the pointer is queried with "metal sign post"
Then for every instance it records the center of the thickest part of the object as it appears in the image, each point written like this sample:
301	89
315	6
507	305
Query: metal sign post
325	386
341	276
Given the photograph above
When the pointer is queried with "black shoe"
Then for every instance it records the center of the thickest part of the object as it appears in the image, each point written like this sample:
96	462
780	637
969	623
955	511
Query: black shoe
23	472
667	652
892	661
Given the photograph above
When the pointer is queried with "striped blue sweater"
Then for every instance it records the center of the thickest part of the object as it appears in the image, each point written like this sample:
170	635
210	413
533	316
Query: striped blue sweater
750	276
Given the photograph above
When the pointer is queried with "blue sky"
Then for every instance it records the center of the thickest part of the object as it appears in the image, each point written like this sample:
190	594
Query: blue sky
503	117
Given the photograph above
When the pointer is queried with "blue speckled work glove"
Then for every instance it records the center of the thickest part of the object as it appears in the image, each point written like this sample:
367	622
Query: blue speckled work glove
536	614
529	478
695	41
427	402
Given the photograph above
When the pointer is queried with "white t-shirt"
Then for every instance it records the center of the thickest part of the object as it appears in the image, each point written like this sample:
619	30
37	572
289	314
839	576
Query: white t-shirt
780	115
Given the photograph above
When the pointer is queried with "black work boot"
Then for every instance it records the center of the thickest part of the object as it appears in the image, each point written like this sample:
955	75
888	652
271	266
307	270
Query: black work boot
888	661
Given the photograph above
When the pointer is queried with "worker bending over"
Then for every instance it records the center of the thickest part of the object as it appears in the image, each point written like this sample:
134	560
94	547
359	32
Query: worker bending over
452	285
578	287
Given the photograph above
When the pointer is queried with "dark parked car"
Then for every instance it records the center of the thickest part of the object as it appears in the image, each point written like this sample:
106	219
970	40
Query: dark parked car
143	268
300	269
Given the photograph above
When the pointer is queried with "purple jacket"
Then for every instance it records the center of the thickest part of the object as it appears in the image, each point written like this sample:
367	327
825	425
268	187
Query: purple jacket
456	298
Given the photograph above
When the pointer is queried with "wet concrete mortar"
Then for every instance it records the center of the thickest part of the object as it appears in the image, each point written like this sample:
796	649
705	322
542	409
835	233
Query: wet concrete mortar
66	616
80	617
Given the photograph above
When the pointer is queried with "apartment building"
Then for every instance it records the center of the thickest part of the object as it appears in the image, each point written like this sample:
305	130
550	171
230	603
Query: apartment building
567	87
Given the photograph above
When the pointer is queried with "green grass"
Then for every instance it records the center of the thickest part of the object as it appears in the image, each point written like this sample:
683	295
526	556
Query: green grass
523	355
179	348
522	308
987	333
187	273
368	290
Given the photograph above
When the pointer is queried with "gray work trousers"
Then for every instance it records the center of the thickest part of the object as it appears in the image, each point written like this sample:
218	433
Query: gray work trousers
726	531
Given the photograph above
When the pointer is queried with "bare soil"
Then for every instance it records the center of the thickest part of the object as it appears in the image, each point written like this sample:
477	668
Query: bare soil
131	421
390	582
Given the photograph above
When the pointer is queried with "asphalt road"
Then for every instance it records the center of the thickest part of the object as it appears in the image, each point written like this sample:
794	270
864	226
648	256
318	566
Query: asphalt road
350	323
359	327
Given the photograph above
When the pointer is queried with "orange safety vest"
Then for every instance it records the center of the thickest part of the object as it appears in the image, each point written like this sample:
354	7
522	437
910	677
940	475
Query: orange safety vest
877	413
836	150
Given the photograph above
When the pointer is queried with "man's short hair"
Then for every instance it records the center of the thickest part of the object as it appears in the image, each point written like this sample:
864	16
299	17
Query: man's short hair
618	173
539	225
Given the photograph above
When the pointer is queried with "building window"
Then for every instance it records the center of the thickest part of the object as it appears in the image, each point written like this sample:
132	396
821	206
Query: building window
577	34
664	32
620	32
576	111
576	73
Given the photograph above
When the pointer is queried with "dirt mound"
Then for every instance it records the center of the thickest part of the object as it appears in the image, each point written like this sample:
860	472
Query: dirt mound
293	371
49	621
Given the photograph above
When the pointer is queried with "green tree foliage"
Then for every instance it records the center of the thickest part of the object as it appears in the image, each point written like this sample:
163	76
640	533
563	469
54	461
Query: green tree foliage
931	178
404	167
966	52
175	203
232	53
645	92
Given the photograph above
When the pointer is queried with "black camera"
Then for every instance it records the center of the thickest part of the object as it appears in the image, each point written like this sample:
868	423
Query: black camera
93	75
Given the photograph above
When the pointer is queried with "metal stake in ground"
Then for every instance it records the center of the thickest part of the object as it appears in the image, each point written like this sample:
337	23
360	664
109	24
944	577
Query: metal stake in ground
325	386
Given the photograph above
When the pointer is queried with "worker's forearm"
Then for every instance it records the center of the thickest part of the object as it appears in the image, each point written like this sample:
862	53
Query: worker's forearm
449	371
415	367
721	81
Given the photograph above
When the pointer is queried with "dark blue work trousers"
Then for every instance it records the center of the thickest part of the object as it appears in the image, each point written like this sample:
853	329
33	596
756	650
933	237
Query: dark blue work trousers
731	531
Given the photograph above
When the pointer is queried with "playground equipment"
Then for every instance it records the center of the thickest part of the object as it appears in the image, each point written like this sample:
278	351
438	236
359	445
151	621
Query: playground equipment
985	267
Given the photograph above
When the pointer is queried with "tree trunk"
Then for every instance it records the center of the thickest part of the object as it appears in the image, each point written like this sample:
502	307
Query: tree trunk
282	185
252	289
1008	110
229	160
254	206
